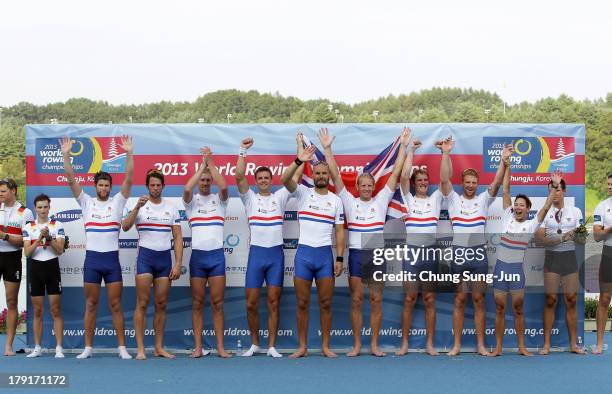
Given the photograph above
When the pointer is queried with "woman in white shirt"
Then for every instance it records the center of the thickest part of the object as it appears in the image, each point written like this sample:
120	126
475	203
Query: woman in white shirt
43	242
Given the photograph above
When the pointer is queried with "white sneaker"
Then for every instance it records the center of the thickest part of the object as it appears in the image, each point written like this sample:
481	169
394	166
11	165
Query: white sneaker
251	352
37	352
272	352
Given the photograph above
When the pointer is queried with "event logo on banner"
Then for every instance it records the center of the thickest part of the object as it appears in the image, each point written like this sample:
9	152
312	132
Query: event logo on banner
89	155
68	216
532	154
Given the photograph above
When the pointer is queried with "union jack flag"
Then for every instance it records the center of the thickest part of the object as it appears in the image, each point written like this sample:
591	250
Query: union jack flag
380	167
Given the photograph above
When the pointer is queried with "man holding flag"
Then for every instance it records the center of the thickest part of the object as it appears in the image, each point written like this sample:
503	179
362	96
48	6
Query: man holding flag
366	219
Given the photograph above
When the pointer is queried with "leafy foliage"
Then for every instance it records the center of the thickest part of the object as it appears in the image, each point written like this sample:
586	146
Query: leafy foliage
433	105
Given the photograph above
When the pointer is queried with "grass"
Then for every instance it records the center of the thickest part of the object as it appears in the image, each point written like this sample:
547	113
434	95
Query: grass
591	201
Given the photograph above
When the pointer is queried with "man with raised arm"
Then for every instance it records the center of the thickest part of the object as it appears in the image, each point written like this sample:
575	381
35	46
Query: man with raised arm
468	213
319	213
265	212
102	217
421	226
366	219
206	213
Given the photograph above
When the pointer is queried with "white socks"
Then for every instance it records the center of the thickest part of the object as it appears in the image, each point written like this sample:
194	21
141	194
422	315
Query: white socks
252	350
123	354
37	352
59	352
273	353
87	353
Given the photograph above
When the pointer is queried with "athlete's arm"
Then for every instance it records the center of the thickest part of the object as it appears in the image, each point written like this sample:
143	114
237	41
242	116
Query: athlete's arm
177	236
507	200
499	175
326	142
299	139
401	157
241	181
600	233
287	177
128	222
128	146
58	245
446	166
407	166
339	265
29	246
554	239
216	176
556	180
66	147
188	190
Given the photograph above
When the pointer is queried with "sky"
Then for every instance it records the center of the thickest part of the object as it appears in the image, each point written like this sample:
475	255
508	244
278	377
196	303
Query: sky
133	52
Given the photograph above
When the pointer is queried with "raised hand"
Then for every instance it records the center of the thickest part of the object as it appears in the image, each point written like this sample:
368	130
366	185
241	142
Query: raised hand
507	152
126	144
247	143
445	145
416	144
206	154
66	145
325	138
299	138
405	137
556	177
307	154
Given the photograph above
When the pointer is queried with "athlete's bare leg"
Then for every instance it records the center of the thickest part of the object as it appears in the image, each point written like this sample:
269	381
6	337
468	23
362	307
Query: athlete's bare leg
518	299
570	284
411	293
12	293
274	294
143	292
113	295
302	293
252	304
92	297
551	288
602	317
217	293
458	317
376	296
325	292
198	293
356	288
429	300
501	298
161	288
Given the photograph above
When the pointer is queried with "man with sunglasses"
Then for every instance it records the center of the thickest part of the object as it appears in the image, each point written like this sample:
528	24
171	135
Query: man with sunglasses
557	234
102	218
13	217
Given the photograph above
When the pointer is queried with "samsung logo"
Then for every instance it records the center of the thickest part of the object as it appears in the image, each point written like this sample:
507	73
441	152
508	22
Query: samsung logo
68	216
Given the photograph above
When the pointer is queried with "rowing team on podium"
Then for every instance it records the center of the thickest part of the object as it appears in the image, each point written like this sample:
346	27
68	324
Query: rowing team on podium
321	215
